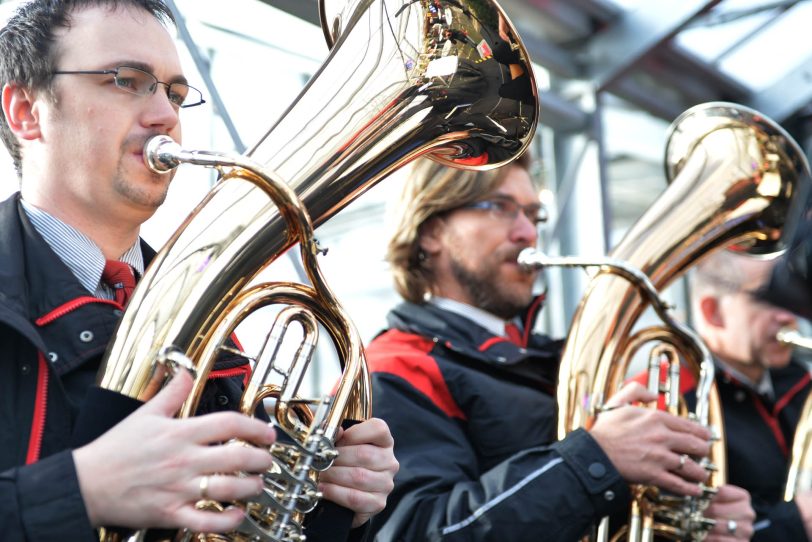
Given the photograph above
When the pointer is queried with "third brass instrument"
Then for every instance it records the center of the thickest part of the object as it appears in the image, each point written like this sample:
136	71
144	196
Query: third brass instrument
448	78
799	475
734	177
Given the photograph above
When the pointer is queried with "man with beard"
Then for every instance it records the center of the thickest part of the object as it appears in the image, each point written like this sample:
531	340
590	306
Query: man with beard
469	390
84	84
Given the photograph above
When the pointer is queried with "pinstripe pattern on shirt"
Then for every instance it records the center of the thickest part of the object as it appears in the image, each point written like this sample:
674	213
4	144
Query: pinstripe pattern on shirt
82	256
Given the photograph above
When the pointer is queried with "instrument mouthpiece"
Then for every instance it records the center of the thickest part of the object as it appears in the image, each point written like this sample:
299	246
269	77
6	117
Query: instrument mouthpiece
161	154
792	337
531	259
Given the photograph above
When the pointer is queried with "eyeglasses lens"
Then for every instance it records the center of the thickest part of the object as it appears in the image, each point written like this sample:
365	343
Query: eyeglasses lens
144	83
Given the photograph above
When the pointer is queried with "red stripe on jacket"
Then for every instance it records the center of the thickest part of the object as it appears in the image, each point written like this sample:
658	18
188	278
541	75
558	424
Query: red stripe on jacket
407	356
40	408
41	398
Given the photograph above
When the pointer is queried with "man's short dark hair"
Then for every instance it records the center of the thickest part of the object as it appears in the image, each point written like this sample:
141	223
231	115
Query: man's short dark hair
27	53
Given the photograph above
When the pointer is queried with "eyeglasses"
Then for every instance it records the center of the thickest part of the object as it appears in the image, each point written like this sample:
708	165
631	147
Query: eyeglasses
142	83
508	209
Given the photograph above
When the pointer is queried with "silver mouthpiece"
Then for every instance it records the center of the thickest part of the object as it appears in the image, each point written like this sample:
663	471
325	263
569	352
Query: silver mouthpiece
161	154
792	337
531	259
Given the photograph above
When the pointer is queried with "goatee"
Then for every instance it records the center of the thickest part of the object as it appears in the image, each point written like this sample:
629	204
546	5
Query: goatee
485	288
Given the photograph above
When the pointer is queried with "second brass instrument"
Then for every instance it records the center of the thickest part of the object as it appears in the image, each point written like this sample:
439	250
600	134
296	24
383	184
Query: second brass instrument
735	178
799	475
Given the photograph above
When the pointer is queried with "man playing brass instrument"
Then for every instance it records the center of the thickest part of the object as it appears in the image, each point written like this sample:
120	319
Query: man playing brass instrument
84	85
761	386
469	391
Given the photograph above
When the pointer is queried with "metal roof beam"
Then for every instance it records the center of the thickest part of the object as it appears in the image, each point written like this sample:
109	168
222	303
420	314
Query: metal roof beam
788	95
683	63
553	58
602	10
656	103
561	114
616	51
307	10
560	19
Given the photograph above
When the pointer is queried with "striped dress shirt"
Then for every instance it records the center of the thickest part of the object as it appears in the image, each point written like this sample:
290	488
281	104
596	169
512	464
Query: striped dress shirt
82	256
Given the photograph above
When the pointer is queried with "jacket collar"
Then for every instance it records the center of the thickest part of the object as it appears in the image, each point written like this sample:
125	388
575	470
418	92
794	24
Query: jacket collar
33	280
26	266
466	343
458	333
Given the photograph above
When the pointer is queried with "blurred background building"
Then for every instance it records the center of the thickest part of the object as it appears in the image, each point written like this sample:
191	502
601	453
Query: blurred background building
612	73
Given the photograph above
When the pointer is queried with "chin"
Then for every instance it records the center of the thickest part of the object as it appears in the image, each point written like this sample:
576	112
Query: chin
521	297
779	360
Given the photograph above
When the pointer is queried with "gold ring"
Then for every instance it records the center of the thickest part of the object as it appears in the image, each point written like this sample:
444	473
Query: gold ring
204	488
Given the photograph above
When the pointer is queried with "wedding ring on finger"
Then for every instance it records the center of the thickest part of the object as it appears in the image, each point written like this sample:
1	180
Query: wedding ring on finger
682	459
204	488
732	526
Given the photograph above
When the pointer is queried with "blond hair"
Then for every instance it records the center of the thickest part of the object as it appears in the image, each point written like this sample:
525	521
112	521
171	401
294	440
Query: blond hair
431	190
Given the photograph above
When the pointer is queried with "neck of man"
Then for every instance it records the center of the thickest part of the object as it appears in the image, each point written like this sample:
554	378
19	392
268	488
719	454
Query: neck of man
113	235
752	370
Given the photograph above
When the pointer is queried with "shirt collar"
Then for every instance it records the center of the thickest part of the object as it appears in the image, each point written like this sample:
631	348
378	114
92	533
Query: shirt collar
492	323
82	256
762	387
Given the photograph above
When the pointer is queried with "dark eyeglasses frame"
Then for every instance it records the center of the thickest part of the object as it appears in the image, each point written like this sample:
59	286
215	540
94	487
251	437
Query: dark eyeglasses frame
508	208
152	89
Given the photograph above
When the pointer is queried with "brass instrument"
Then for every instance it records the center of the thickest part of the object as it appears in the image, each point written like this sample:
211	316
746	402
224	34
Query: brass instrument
799	475
734	177
403	79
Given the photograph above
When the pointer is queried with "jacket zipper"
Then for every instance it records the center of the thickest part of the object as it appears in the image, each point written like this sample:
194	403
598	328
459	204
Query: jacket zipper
71	306
40	409
41	398
244	370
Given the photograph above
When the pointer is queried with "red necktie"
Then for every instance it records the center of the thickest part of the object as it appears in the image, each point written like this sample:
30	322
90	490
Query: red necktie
513	333
120	277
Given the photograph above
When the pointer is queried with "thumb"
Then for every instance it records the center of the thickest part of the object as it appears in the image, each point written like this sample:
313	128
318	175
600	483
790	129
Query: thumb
169	400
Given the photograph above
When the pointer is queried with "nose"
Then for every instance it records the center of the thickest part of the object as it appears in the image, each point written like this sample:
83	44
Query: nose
524	231
159	113
785	317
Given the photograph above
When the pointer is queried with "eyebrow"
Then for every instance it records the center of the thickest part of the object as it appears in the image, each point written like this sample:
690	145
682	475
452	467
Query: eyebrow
149	69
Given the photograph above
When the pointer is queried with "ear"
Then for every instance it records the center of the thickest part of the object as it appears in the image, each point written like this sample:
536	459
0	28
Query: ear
20	111
431	233
710	308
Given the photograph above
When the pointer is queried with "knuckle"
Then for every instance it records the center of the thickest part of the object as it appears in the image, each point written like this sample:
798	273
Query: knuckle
751	514
366	455
359	477
173	462
379	504
378	424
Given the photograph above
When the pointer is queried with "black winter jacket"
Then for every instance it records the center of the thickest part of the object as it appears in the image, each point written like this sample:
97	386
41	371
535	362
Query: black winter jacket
759	434
53	334
473	417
